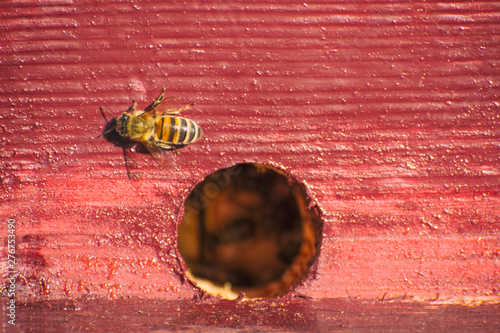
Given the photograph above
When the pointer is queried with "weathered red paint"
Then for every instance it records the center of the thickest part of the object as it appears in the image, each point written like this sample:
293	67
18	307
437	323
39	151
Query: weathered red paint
388	112
319	315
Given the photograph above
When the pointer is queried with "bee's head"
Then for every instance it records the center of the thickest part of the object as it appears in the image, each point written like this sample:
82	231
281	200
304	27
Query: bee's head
121	124
113	130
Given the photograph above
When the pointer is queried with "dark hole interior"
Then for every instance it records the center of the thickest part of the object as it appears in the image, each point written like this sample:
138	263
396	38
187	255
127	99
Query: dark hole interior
247	229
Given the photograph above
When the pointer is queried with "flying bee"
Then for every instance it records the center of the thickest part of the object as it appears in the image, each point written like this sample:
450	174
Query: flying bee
157	127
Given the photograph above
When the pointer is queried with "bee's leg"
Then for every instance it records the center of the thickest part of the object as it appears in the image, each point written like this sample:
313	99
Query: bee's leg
156	102
132	107
174	149
179	110
158	99
186	107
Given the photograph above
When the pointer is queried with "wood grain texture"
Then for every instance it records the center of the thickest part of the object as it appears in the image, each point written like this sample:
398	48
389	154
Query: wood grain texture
320	315
388	112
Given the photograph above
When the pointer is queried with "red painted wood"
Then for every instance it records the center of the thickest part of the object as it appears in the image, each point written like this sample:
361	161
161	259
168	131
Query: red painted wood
389	112
324	315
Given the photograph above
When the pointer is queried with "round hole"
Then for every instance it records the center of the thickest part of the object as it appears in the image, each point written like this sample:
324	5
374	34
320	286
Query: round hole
248	229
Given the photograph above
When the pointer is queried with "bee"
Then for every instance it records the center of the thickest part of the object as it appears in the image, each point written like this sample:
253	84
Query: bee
157	127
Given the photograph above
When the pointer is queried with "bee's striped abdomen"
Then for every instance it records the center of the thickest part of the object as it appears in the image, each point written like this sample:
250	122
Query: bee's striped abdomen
177	130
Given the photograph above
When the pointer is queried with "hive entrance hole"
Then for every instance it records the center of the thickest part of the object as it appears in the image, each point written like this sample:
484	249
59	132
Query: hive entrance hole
248	229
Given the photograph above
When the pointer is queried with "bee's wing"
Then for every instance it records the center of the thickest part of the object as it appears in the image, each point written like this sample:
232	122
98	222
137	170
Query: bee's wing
166	105
164	158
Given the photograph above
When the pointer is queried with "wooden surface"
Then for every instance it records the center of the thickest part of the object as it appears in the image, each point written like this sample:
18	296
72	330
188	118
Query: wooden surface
284	315
388	112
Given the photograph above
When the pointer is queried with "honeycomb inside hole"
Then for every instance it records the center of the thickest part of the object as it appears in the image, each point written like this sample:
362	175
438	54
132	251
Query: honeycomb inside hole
247	230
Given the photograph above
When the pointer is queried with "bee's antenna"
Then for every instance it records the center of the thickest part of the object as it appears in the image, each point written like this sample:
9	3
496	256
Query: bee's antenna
102	112
106	132
103	109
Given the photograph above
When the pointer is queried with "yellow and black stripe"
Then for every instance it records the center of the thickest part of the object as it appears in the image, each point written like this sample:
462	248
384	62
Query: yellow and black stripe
177	130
